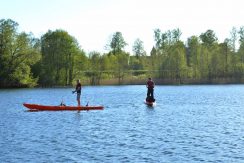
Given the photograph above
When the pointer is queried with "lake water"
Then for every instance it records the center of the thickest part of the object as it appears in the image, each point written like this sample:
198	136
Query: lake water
188	124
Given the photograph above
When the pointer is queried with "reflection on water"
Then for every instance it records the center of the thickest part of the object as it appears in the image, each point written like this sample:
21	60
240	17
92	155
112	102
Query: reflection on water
188	124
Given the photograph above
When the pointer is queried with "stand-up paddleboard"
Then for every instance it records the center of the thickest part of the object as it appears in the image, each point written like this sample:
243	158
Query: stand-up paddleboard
150	101
36	107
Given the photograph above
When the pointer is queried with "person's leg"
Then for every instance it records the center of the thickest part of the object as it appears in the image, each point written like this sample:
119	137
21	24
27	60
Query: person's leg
148	92
78	102
152	94
78	98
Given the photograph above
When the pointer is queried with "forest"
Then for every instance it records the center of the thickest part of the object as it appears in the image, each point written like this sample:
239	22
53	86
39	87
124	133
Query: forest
57	59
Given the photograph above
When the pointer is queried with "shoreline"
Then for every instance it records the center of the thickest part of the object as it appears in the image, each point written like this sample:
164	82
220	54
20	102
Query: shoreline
159	82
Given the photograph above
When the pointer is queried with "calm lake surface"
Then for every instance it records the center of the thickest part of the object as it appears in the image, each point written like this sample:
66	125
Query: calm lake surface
188	124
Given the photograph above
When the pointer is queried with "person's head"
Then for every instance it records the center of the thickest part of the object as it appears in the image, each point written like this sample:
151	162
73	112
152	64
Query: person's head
149	78
78	81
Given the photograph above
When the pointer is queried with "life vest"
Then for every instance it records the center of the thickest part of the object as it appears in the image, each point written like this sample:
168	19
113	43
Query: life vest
150	84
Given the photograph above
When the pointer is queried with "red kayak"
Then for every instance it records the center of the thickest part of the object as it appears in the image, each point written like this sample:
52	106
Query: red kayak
36	107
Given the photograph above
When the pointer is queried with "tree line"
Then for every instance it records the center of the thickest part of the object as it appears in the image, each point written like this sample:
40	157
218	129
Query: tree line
56	59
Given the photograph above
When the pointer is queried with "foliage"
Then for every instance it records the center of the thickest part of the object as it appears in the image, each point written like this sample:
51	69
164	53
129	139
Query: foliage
117	43
18	52
59	50
138	48
57	58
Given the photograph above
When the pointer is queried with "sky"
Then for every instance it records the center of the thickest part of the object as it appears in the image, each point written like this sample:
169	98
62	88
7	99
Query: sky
93	22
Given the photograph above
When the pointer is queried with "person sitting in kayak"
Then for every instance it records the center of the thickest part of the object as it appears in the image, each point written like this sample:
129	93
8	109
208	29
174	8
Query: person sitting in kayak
78	91
150	90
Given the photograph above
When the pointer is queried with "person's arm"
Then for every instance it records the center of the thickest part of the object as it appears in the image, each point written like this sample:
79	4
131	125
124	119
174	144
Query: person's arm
75	90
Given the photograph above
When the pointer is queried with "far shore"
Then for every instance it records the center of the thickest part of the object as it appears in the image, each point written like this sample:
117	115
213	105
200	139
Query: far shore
117	82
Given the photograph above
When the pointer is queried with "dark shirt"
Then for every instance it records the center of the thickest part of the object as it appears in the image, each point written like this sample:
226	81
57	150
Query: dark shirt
78	88
150	84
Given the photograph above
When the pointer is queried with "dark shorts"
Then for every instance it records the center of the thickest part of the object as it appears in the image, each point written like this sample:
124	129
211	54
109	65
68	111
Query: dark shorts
78	96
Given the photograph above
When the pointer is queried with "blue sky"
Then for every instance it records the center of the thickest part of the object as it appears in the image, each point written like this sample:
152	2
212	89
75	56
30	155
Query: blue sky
92	22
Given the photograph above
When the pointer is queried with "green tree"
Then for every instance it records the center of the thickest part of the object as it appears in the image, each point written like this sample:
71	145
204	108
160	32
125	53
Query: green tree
157	38
176	61
138	48
208	38
80	64
209	42
233	38
95	67
58	50
241	34
176	35
18	52
153	59
193	55
122	65
117	43
240	53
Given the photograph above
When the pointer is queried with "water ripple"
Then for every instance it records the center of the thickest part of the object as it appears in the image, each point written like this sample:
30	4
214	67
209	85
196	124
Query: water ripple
189	124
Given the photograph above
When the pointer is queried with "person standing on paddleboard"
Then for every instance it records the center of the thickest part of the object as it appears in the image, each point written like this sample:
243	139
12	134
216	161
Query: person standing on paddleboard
150	88
78	91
